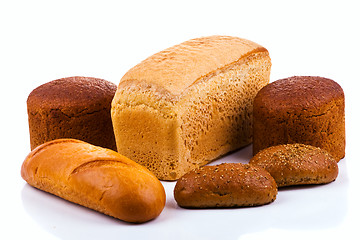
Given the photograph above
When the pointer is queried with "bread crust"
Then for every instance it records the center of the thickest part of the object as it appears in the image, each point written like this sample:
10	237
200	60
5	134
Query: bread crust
74	107
176	68
189	104
300	109
297	164
95	177
225	185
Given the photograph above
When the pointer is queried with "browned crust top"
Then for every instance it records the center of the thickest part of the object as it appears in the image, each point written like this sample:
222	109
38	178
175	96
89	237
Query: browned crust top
72	92
294	164
298	92
176	68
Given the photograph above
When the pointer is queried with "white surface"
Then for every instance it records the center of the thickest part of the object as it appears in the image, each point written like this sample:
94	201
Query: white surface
42	41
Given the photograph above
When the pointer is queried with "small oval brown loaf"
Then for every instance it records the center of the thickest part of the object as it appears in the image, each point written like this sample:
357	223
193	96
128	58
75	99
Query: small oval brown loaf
296	164
74	107
300	109
95	177
225	185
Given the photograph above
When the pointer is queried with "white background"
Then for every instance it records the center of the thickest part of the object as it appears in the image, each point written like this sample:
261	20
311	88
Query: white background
45	40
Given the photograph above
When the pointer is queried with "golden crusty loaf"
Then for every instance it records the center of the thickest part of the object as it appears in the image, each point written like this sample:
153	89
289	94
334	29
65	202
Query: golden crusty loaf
301	109
187	105
73	107
95	177
297	164
225	185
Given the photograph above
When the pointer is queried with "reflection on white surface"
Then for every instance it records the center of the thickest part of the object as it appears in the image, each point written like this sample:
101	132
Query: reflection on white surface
303	208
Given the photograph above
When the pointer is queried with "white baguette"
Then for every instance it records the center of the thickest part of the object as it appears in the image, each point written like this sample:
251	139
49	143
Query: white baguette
95	177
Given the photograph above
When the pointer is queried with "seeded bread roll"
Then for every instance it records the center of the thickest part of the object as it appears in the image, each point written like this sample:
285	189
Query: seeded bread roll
301	109
225	185
74	107
297	164
189	104
95	177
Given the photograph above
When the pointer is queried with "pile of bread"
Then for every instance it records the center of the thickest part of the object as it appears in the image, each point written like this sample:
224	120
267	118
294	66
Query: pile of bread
107	147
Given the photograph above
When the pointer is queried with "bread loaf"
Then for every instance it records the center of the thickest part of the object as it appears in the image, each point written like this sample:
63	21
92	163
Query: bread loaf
225	185
297	164
301	109
189	104
96	178
73	107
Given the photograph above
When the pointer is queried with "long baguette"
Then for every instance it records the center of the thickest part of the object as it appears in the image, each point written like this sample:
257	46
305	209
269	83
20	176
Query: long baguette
94	177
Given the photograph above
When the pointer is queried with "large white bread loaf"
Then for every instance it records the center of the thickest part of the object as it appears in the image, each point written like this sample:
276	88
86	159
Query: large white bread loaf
189	104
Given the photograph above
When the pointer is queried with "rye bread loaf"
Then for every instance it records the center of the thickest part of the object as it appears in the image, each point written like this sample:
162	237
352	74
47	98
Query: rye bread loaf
189	104
301	109
297	164
225	185
73	107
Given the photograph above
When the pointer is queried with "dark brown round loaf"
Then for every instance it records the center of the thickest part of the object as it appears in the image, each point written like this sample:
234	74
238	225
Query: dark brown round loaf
297	164
225	185
300	109
74	107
